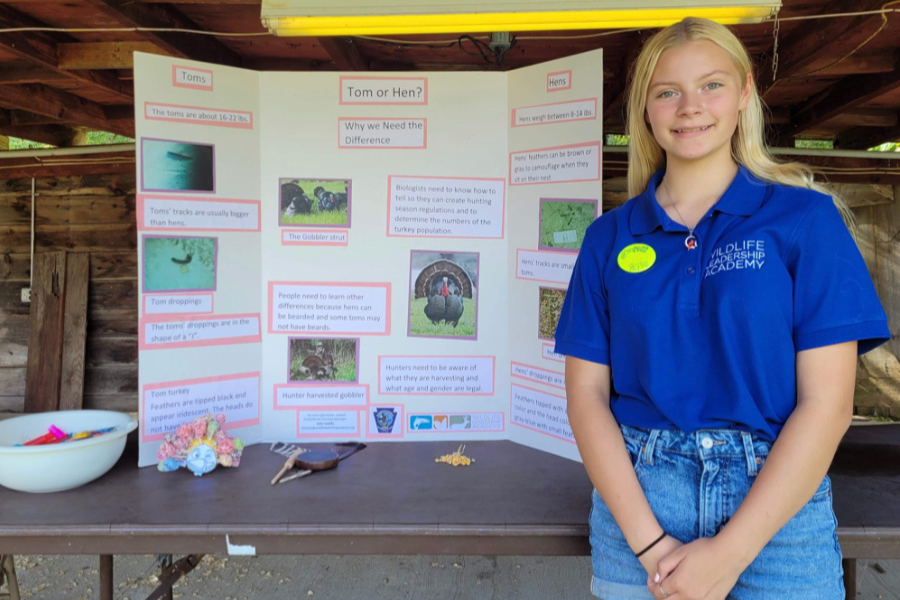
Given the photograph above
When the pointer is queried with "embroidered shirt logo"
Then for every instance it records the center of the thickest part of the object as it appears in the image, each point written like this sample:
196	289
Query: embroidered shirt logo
748	254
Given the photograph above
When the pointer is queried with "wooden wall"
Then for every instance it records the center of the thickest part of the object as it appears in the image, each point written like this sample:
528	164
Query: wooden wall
83	213
94	213
878	374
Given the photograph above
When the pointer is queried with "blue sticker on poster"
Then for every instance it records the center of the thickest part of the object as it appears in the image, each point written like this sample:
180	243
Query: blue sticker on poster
385	418
420	422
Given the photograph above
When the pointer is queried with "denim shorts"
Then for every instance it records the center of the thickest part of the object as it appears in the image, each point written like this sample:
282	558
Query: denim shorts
694	483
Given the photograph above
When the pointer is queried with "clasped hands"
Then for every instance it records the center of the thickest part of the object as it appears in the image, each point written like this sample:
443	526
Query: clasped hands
705	569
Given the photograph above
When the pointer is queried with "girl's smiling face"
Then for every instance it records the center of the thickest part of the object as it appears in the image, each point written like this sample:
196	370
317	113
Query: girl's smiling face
694	99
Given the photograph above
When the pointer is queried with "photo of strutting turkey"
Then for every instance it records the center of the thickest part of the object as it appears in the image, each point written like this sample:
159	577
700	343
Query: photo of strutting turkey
294	200
444	283
314	202
329	200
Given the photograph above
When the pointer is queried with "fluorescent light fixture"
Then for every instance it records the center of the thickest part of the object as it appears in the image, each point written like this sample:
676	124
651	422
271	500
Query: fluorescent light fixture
379	17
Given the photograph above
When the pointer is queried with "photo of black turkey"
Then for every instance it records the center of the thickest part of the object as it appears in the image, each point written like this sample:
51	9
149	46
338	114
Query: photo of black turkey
329	200
294	200
445	285
444	303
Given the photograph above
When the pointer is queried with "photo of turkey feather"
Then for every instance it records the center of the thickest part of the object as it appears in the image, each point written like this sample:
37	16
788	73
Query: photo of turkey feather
443	292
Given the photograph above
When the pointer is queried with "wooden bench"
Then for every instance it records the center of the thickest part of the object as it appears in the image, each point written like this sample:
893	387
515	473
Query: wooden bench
391	498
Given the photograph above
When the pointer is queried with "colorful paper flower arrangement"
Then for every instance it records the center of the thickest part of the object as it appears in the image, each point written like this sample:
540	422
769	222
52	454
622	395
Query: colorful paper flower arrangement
199	445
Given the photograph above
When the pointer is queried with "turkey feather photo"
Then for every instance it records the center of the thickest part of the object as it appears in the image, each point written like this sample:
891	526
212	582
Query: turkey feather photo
443	294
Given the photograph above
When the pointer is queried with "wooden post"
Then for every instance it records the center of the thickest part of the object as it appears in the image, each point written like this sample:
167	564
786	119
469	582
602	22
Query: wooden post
42	376
71	392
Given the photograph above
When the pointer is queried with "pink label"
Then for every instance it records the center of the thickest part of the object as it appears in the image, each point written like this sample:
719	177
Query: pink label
166	405
315	237
178	304
192	77
560	112
404	91
328	308
164	332
436	375
559	164
427	206
327	396
558	81
548	353
328	423
539	411
159	212
382	133
538	375
198	115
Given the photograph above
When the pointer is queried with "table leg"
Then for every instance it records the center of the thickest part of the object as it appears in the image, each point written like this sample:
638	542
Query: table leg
849	565
106	577
8	570
170	572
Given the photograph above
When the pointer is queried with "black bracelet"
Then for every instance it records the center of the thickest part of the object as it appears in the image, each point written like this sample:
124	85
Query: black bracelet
658	540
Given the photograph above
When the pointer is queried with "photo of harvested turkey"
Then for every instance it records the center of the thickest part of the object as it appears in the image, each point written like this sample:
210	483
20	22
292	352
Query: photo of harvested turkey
323	360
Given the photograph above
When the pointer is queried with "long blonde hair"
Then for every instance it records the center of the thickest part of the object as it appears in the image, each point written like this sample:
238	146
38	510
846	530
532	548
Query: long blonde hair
748	148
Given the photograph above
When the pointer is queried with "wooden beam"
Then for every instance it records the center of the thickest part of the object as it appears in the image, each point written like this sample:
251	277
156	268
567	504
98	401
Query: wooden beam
345	53
829	37
22	117
103	55
120	112
20	168
853	65
847	94
863	138
265	63
25	72
197	47
863	117
62	105
853	170
55	135
40	49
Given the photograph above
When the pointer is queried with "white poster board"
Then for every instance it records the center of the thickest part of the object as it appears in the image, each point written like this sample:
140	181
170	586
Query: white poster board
334	256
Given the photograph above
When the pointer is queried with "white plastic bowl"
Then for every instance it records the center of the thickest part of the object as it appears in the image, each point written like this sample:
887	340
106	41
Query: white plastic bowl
57	467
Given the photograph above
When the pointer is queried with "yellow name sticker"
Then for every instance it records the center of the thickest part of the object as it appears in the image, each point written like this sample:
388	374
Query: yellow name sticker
636	258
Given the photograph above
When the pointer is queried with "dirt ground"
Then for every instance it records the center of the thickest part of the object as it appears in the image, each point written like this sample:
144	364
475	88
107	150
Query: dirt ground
354	578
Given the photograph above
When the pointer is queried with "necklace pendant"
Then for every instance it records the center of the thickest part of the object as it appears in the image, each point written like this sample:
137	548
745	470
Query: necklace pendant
691	242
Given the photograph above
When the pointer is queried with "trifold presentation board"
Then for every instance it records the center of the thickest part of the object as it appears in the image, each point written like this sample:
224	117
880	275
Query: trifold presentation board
329	256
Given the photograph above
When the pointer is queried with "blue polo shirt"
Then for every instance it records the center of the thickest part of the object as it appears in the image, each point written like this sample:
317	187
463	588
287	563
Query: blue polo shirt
706	338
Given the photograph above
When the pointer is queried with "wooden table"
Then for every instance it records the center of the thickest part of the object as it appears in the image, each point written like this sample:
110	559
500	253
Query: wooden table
392	498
